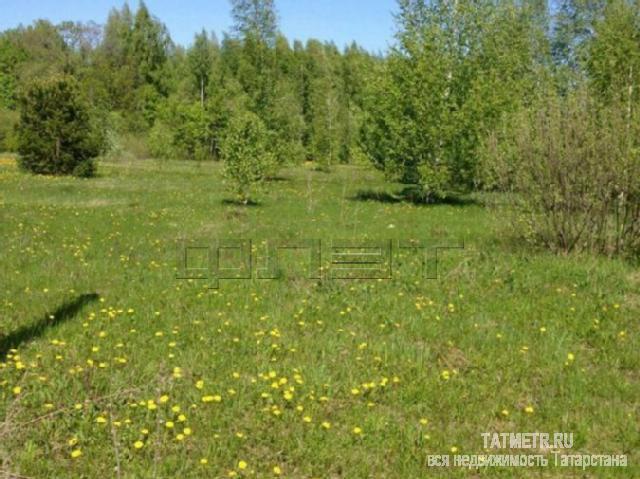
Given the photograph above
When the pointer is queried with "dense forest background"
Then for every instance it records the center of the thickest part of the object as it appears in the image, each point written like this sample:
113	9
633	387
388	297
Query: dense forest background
158	97
426	112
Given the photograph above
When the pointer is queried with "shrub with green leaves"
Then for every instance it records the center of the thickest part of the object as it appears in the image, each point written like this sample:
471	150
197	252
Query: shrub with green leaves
187	131
8	120
456	68
574	169
56	132
247	155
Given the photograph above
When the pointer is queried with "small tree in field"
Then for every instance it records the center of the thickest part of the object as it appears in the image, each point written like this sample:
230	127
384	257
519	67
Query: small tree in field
56	135
247	155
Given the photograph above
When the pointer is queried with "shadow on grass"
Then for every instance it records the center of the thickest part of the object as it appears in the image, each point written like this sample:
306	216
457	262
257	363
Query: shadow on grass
49	320
277	179
378	196
412	195
250	203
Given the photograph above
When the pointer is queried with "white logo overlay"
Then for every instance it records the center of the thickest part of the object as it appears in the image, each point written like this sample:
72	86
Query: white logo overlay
543	450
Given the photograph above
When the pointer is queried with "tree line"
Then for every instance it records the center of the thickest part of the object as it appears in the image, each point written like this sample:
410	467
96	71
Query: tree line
444	110
309	96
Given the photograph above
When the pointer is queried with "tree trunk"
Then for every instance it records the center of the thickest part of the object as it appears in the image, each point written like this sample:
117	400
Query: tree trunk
202	92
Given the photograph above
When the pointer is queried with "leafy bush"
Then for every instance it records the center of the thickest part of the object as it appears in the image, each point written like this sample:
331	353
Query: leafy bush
56	133
186	131
86	169
193	136
8	121
451	75
575	170
7	90
161	141
247	154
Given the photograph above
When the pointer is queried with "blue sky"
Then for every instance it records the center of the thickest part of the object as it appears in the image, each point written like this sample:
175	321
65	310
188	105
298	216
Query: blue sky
369	22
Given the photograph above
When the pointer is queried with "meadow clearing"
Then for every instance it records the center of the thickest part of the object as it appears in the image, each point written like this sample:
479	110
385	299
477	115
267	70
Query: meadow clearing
110	366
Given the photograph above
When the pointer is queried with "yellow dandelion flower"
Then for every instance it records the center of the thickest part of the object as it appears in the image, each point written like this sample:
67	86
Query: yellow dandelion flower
76	453
16	390
216	398
242	465
138	444
326	425
529	409
277	471
357	431
101	420
169	424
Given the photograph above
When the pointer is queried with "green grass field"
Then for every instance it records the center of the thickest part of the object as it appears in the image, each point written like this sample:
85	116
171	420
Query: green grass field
110	366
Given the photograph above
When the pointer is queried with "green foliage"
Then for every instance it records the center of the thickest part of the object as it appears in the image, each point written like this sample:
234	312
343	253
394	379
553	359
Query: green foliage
56	133
11	55
255	19
161	143
131	65
7	90
247	155
8	137
184	131
309	98
149	45
613	62
201	63
286	120
575	170
323	107
573	29
114	65
145	112
456	69
420	113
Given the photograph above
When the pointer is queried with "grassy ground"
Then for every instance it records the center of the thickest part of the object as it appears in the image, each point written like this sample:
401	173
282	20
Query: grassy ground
106	356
